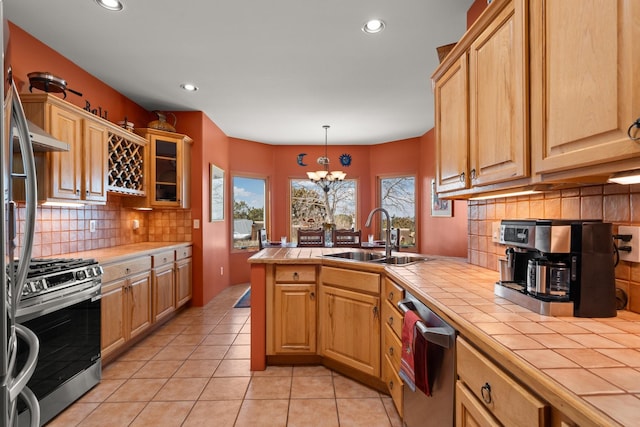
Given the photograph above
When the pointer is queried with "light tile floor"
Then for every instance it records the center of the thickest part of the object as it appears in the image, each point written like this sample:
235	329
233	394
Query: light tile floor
194	371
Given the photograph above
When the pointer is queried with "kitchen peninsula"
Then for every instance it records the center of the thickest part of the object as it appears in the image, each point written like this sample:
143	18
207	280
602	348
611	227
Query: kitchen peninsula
581	371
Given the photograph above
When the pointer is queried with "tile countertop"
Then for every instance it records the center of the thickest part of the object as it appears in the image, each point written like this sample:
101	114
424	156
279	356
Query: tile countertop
589	369
119	253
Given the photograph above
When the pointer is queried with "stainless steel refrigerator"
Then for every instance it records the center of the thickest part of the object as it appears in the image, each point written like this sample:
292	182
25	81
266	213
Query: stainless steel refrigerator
16	154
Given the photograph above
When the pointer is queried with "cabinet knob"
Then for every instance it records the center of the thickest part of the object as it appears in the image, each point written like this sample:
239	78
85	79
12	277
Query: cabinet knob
296	277
127	270
391	295
390	321
78	192
312	295
164	259
390	351
473	174
391	385
375	311
485	391
462	177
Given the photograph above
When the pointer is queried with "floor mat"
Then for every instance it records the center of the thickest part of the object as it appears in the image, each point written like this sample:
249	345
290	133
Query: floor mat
244	301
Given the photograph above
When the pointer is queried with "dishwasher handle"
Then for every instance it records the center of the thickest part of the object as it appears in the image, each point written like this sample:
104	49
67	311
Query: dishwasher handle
439	335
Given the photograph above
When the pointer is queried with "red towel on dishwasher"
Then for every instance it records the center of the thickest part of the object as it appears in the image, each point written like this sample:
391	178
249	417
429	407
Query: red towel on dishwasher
420	360
407	365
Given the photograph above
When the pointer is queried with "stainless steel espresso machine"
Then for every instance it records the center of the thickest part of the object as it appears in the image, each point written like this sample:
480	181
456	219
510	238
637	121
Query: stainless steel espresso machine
559	267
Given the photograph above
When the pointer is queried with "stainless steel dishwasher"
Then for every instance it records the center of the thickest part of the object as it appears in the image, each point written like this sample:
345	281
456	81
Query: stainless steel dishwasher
437	409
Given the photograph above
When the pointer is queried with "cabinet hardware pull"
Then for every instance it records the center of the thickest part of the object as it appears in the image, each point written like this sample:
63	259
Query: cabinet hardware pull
375	311
391	385
462	177
295	276
391	295
127	270
312	295
390	321
78	192
485	390
164	259
473	174
390	351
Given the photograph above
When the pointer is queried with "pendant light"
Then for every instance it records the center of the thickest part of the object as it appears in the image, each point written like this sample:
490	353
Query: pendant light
325	178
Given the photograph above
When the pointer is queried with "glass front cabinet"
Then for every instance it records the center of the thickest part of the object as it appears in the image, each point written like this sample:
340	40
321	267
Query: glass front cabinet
168	168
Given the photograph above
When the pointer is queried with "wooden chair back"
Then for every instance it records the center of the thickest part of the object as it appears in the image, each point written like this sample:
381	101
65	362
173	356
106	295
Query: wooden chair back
347	238
310	237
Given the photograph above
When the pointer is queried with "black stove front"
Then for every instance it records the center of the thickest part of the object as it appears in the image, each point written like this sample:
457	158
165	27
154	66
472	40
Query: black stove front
60	303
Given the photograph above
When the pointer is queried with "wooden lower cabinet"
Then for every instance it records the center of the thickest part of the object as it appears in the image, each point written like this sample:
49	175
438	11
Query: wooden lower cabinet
392	319
349	319
183	281
163	292
295	322
486	393
125	310
292	310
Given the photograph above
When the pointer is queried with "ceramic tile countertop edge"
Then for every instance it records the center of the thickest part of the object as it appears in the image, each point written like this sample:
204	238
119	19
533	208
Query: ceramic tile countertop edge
463	295
123	252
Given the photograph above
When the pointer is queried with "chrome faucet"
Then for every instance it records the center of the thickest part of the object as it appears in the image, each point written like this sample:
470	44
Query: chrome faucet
387	242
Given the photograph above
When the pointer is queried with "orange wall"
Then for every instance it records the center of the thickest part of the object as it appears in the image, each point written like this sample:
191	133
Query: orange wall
28	55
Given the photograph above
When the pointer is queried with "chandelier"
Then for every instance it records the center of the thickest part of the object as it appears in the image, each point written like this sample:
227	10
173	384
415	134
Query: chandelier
325	178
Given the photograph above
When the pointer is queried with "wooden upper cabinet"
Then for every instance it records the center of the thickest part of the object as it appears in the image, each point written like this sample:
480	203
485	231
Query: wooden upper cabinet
585	84
66	167
499	148
95	162
452	121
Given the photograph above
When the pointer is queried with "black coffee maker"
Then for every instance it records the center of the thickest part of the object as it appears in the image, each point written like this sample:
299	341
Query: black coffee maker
562	260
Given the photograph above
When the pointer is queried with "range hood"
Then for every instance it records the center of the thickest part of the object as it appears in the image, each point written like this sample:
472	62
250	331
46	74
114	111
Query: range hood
41	140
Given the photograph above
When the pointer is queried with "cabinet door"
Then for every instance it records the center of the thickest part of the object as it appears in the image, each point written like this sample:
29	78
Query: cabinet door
183	281
163	291
452	124
295	318
350	328
585	87
112	316
66	166
166	171
95	162
469	412
497	100
140	314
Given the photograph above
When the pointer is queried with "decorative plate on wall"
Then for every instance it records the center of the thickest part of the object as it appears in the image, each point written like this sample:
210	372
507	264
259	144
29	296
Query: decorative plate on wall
345	159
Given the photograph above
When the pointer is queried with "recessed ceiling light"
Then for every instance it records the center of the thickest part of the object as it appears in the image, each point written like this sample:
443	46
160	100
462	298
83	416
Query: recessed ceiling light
189	87
373	26
110	4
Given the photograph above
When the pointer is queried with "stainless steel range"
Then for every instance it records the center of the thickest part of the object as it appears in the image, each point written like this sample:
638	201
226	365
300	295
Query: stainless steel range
60	303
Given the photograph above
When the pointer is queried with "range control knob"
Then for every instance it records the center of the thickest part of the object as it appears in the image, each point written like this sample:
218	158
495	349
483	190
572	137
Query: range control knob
81	275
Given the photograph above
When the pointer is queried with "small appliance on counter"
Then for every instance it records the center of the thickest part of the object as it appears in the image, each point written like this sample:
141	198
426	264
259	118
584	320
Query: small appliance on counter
558	267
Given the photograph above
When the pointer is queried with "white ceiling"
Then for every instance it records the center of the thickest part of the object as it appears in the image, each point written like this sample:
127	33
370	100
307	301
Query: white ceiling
268	71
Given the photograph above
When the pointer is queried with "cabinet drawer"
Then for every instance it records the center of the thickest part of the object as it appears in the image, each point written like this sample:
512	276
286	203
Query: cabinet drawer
183	253
163	258
125	268
351	279
392	347
295	273
394	384
509	402
392	292
392	317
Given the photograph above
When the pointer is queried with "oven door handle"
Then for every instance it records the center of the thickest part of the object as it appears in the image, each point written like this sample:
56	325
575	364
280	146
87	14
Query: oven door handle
31	401
444	337
18	384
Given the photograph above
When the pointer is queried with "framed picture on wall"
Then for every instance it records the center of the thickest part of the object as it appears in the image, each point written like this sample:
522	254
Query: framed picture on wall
217	193
440	207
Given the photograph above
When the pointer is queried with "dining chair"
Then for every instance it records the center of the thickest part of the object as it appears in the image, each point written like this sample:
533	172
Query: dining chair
310	237
346	238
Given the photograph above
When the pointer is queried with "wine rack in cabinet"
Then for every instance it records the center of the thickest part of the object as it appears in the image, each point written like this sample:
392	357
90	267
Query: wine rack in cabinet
127	163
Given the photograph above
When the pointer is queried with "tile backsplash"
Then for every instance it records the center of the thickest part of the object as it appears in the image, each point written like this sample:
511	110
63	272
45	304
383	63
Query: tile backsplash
613	203
65	230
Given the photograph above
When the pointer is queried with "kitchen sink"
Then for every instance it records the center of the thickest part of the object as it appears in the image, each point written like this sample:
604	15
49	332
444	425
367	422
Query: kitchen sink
357	256
400	260
377	257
